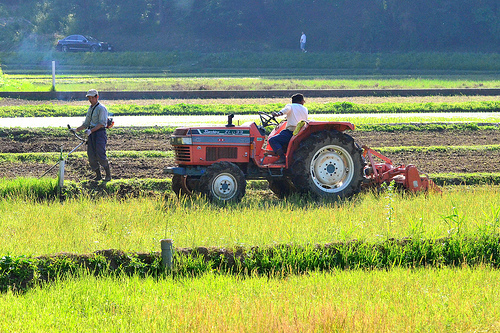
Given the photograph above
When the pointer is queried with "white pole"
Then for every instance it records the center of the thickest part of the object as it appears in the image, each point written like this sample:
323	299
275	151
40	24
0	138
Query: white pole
53	75
61	175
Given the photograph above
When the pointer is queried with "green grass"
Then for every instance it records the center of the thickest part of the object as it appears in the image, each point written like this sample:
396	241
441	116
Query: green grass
397	300
28	188
45	188
277	64
182	109
81	83
54	157
25	134
87	224
414	120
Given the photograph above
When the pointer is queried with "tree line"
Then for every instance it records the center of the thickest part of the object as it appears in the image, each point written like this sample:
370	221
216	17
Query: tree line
260	25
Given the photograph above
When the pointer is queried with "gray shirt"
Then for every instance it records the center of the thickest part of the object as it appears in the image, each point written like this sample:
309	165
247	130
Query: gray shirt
96	115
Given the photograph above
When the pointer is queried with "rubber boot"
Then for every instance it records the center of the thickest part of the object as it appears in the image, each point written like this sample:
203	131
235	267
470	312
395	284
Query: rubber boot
282	159
108	174
98	175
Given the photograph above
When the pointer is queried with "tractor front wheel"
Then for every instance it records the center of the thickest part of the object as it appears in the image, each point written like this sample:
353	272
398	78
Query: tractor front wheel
223	182
328	164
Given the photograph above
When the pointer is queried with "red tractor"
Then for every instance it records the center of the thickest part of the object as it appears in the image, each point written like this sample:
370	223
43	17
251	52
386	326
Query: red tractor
322	161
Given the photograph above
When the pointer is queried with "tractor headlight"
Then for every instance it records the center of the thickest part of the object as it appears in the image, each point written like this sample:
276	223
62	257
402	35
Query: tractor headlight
181	141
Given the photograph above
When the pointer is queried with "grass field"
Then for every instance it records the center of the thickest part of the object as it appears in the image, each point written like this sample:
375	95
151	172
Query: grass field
82	83
396	299
399	300
87	224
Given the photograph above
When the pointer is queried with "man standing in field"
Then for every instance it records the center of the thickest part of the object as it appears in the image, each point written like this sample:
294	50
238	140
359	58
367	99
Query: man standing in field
294	113
303	42
95	129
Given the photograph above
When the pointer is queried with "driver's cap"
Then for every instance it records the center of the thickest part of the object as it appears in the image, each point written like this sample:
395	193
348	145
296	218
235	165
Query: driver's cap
92	92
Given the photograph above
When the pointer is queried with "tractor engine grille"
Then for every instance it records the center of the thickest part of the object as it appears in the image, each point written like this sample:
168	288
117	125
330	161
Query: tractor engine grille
216	153
182	153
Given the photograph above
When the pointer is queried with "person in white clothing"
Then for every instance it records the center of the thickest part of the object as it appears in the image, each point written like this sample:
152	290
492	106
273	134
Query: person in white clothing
294	113
303	42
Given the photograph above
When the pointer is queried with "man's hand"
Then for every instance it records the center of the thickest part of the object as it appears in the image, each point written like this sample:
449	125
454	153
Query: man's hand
275	114
87	132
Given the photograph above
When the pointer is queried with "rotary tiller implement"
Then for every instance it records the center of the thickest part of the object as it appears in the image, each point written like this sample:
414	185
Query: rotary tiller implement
406	177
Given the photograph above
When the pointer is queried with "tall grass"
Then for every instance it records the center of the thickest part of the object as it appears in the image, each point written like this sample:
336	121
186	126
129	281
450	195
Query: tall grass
88	224
398	300
81	83
28	188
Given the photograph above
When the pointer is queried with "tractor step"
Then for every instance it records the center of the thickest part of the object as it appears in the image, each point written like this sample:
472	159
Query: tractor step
275	170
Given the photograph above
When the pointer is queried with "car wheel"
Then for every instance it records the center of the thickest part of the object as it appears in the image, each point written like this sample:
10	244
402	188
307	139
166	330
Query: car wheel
65	48
94	48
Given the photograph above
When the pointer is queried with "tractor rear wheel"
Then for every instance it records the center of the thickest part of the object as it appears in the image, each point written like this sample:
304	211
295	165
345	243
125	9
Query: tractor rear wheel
328	164
223	182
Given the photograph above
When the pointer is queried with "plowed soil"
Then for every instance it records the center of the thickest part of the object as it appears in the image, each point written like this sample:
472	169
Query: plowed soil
430	162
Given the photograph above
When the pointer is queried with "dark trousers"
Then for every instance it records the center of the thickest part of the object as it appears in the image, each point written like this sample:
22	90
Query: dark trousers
96	149
277	142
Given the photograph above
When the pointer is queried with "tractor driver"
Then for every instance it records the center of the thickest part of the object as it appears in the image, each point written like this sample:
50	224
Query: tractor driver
294	113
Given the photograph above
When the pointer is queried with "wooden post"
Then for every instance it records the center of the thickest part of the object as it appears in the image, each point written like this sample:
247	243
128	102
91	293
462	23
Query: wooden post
166	255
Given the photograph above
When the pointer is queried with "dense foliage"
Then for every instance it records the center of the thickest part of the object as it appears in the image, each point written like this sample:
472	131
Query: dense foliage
360	25
18	273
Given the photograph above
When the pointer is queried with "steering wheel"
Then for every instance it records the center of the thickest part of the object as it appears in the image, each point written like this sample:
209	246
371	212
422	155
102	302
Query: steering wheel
267	119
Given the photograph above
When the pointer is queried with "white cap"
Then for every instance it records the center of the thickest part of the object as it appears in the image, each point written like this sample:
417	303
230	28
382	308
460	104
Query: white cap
92	92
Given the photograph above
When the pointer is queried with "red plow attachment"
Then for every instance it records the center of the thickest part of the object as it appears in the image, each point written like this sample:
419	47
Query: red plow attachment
406	177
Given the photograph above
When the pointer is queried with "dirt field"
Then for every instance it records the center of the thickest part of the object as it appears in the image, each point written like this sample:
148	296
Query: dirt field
433	162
